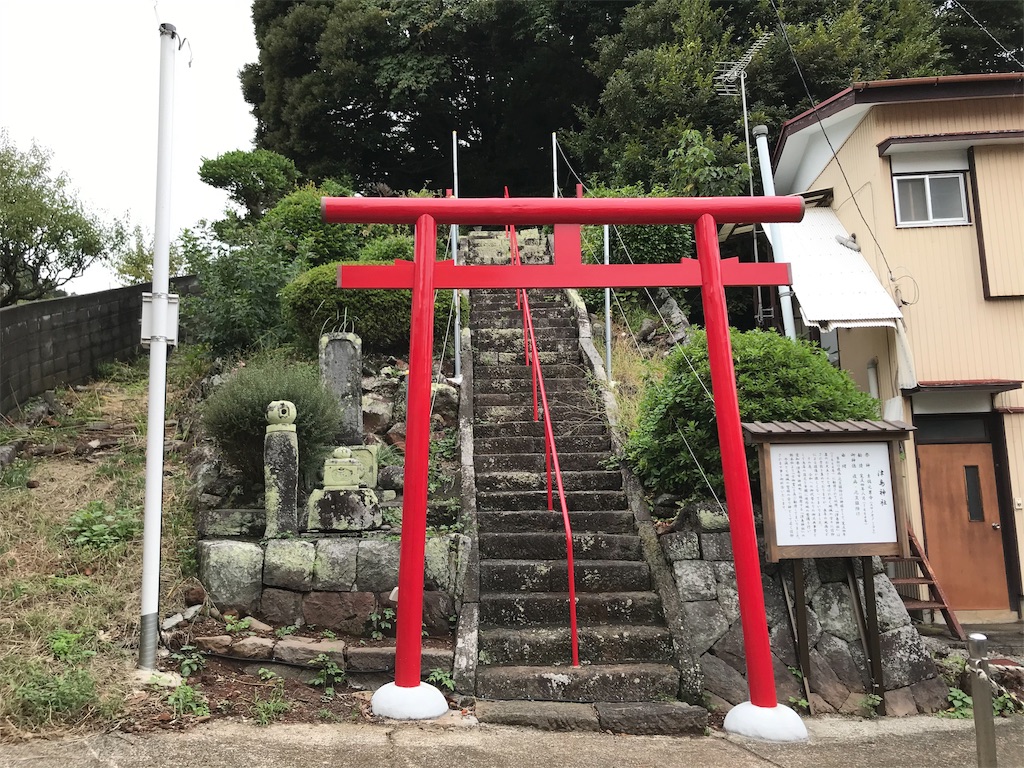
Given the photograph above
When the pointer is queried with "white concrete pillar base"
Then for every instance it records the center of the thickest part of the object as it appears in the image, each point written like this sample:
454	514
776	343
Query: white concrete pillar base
424	702
776	723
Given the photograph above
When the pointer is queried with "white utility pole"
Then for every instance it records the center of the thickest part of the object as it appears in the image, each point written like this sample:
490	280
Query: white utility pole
768	182
607	315
554	164
153	515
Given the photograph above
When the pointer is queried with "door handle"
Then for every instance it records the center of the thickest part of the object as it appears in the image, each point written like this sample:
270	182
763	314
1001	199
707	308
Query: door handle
995	526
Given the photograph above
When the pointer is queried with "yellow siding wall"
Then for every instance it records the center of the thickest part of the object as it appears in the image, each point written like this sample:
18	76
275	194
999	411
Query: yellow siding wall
1000	174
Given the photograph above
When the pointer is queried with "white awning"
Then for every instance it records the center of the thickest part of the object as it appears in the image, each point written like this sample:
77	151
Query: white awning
834	284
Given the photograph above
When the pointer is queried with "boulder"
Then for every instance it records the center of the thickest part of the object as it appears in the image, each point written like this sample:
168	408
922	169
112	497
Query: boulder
833	605
445	404
705	623
722	680
904	659
378	411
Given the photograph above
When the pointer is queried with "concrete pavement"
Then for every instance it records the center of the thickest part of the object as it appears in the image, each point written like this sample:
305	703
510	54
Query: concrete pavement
928	742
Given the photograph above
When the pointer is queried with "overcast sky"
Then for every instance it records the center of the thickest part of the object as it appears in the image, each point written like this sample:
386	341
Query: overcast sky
81	78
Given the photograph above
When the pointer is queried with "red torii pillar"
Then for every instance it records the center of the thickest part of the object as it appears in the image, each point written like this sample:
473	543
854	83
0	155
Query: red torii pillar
407	697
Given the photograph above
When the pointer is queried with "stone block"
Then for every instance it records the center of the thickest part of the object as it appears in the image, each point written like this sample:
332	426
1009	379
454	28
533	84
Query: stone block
783	643
302	650
378	412
446	559
343	510
787	686
729	599
650	718
680	545
904	658
836	653
833	605
722	680
819	706
931	695
825	682
704	622
218	523
214	643
716	703
542	715
347	612
377	565
232	572
391	478
438	614
716	546
334	565
289	564
892	613
900	702
281	606
445	404
252	648
695	580
382	659
341	369
775	606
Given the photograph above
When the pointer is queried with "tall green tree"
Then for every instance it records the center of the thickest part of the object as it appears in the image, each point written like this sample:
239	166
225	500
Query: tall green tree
372	89
47	236
983	35
254	180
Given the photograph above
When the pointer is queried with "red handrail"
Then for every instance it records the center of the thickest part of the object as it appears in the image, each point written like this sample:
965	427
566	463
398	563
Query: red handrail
550	452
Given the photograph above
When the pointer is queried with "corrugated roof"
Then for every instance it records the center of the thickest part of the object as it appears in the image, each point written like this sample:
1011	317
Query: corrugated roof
834	284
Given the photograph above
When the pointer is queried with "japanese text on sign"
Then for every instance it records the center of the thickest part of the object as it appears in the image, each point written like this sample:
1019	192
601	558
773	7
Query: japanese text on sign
833	493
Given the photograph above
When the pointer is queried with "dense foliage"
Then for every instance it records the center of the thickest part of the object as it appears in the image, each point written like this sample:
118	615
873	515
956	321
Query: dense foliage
47	237
235	413
777	380
313	305
254	180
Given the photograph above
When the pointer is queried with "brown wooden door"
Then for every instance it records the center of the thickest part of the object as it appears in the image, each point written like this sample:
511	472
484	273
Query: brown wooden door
961	524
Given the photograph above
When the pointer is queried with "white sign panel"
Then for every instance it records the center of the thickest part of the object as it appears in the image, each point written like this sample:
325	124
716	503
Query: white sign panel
832	493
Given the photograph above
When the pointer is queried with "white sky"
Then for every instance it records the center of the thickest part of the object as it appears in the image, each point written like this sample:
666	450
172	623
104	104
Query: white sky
81	78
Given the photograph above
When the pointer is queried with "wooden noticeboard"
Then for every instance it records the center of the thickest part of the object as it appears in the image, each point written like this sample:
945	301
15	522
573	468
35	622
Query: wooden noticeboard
828	489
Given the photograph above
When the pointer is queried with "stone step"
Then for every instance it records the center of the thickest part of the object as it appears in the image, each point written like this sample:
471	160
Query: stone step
544	646
510	501
519	370
502	443
535	429
538	522
507	304
546	342
492	336
522	397
519	609
648	718
534	462
550	545
594	480
580	411
524	387
595	682
551	576
494	357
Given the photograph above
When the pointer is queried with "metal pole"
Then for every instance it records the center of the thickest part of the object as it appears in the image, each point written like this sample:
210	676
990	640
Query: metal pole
554	164
981	693
455	259
607	315
768	181
760	675
153	514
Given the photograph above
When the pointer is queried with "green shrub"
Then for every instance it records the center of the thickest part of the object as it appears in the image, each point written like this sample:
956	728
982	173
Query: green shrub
235	413
385	250
314	304
93	527
777	380
43	697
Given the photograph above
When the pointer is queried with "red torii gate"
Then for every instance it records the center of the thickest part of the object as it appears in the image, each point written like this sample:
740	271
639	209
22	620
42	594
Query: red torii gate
407	697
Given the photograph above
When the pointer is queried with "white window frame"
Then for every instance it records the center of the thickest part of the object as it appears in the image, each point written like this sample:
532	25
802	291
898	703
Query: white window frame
931	221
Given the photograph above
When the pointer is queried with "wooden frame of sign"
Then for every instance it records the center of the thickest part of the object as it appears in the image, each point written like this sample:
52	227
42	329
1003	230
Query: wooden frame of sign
828	490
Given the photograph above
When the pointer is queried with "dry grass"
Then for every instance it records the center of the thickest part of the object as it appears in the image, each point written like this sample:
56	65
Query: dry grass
631	370
51	588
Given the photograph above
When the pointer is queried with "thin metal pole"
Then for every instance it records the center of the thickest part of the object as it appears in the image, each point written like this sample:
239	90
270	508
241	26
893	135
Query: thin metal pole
455	258
607	315
760	674
554	164
153	508
750	176
768	181
981	693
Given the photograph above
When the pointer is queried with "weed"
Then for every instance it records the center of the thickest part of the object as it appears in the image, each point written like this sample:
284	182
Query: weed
328	675
870	704
795	672
235	625
327	715
382	622
291	629
442	678
266	711
186	700
1006	704
190	659
961	706
16	474
67	647
93	527
799	704
266	674
393	516
328	635
43	697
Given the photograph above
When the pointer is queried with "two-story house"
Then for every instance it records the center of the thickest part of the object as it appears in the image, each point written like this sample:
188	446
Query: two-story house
910	263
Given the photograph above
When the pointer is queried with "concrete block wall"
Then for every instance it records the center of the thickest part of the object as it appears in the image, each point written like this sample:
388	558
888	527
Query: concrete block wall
44	344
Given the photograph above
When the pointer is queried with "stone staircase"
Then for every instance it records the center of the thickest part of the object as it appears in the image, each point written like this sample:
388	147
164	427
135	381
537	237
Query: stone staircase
626	651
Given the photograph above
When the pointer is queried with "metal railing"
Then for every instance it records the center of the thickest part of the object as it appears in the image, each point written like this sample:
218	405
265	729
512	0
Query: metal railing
540	406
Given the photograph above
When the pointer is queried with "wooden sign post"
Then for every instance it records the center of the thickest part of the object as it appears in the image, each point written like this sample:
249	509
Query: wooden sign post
828	490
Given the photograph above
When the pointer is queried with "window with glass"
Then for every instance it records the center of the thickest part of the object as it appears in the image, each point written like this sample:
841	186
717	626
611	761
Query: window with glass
930	199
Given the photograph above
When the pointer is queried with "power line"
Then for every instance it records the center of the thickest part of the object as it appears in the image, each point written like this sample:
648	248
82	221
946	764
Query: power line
984	29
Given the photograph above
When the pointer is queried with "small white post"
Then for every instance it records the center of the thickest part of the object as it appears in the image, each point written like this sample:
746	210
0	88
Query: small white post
554	164
455	259
607	315
153	514
768	181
